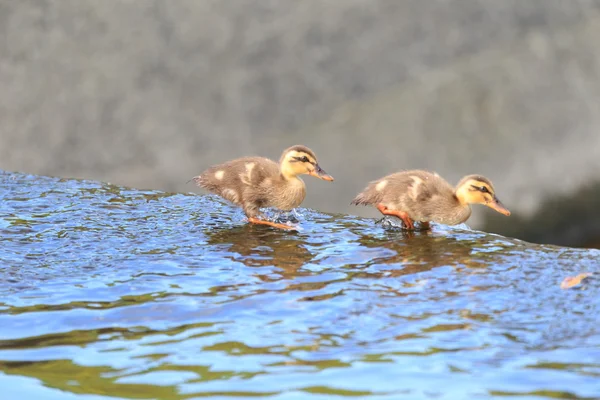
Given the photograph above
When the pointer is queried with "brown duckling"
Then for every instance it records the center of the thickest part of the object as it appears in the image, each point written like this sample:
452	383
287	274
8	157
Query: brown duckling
257	182
424	196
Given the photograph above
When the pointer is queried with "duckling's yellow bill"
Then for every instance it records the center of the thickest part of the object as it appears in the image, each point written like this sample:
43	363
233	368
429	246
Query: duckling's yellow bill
319	173
498	206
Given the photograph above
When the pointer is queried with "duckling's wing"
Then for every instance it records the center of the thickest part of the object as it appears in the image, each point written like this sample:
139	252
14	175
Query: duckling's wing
236	179
425	195
408	186
387	190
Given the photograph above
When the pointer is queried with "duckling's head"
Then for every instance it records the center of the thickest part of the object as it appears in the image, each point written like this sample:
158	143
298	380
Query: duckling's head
476	189
298	160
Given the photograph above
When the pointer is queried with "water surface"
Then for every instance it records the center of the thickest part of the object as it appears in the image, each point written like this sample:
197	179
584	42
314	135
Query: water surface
110	292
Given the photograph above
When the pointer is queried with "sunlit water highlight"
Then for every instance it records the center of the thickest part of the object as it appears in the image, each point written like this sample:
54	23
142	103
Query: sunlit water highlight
109	292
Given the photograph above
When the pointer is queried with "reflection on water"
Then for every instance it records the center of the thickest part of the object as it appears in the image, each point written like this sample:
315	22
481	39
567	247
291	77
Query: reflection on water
113	292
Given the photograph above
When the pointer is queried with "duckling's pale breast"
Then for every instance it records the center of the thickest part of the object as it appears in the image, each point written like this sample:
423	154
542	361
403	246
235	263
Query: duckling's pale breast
285	194
451	216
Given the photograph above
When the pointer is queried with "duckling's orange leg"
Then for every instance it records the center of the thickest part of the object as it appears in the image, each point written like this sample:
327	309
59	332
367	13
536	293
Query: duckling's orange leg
408	223
269	223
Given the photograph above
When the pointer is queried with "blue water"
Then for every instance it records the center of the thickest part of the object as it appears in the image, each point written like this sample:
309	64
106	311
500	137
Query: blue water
110	292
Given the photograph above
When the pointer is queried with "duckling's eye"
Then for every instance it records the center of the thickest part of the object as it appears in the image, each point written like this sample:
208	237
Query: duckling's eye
484	189
303	159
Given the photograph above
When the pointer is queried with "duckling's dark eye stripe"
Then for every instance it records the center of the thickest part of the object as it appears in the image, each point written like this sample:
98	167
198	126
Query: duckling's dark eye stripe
482	189
303	159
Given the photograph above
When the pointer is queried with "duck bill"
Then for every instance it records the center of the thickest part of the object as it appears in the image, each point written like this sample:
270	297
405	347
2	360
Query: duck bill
498	206
319	173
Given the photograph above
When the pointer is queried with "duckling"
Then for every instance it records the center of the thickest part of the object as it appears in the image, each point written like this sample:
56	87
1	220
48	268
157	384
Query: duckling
424	196
256	182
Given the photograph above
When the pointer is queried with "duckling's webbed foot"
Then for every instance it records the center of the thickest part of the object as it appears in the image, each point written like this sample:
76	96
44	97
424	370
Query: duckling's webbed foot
408	223
258	221
255	217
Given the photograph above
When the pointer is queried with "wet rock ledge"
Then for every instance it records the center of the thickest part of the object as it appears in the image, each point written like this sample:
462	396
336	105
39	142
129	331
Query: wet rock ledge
54	219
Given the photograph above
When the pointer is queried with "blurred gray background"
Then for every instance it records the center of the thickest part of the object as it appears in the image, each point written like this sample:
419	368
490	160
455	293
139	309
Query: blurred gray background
148	93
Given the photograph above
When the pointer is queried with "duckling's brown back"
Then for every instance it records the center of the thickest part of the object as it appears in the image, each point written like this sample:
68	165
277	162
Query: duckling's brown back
232	179
425	196
404	189
392	188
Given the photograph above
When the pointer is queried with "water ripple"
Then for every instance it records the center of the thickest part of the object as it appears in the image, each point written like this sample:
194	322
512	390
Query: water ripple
115	292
